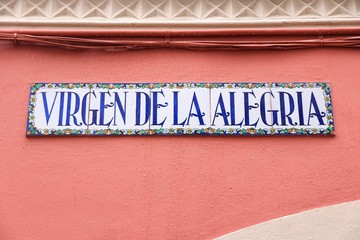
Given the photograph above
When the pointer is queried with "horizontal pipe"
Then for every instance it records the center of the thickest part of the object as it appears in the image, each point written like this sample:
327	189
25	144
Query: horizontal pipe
202	43
192	32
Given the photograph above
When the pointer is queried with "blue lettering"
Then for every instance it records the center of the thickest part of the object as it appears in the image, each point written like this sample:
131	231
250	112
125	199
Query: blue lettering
223	112
232	111
176	111
263	110
317	113
198	113
61	109
47	113
104	106
300	108
68	109
122	107
248	107
155	107
283	115
138	108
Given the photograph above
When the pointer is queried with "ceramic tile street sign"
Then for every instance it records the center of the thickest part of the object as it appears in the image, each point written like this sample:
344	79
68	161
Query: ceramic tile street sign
180	108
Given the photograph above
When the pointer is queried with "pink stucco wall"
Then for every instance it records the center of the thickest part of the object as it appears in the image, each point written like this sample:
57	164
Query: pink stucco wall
170	187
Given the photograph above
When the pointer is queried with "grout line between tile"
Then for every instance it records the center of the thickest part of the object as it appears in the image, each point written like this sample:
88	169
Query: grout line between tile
88	115
151	102
210	104
271	108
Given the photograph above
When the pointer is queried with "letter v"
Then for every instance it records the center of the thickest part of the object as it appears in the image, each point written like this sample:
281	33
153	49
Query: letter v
47	114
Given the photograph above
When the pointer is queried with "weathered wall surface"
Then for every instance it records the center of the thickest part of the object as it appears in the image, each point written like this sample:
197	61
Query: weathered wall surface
170	187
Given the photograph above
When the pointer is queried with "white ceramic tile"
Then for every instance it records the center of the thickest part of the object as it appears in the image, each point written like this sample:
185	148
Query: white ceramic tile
288	95
318	94
190	103
300	117
235	117
119	110
59	107
264	107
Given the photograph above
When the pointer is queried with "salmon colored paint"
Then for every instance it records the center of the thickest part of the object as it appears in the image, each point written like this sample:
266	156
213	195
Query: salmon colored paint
170	187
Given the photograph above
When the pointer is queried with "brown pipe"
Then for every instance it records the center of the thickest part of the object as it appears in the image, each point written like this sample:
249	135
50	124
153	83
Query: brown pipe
193	32
200	40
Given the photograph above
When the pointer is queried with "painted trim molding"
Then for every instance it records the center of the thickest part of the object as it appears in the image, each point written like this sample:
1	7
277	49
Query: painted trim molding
135	14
